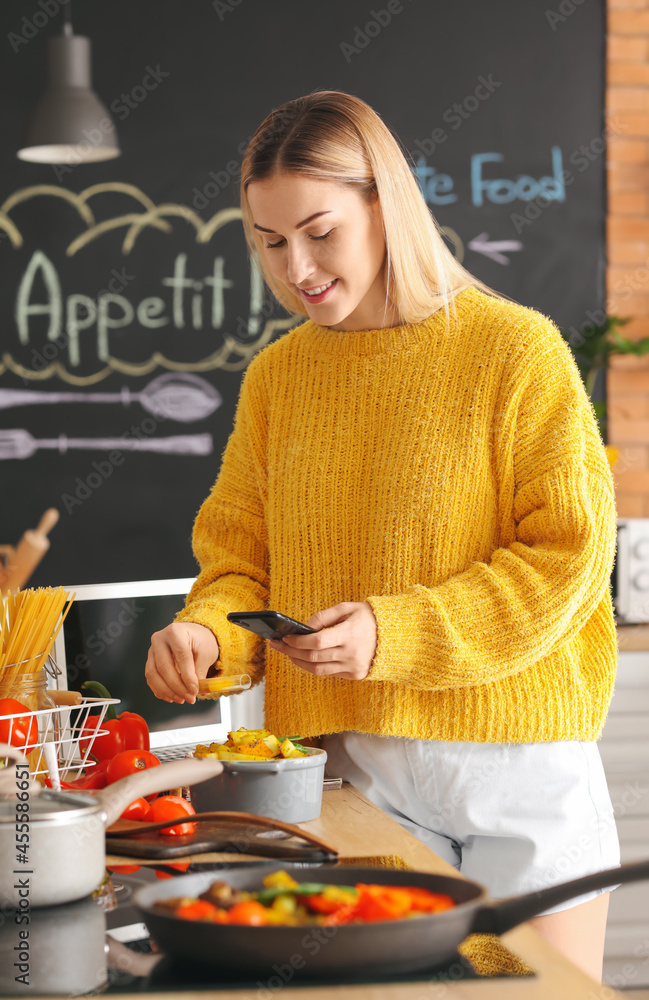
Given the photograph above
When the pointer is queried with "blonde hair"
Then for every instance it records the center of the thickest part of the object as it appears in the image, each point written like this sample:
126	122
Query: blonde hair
329	135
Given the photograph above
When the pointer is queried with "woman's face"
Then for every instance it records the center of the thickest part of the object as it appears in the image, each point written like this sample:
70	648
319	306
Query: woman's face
323	237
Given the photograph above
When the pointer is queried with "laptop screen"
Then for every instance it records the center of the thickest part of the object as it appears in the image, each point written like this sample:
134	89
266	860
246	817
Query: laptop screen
106	638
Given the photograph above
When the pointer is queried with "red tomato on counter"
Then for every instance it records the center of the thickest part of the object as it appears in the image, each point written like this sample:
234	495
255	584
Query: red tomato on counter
130	762
172	807
23	729
136	810
181	866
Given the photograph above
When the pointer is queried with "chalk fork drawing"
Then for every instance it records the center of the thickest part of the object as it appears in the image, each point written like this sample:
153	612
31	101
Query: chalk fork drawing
19	443
174	396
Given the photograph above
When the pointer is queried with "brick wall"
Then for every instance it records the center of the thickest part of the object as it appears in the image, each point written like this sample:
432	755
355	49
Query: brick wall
627	117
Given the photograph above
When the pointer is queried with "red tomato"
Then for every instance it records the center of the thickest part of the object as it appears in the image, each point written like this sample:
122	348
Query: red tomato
136	810
24	729
201	909
130	762
182	866
251	913
123	869
172	807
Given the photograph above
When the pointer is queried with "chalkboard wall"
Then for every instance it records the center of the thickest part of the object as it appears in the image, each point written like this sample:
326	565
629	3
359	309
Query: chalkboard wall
126	284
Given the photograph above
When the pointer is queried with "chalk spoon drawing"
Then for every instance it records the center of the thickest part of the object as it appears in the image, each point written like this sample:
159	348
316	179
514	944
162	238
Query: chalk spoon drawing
176	396
19	443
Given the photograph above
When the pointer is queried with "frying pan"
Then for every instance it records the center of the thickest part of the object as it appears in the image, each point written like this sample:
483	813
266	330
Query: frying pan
388	947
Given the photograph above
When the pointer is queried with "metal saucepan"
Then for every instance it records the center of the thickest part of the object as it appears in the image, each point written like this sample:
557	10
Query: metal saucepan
53	952
62	834
388	947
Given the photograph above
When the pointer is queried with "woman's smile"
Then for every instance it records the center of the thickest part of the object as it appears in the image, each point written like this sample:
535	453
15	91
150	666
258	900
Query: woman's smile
318	293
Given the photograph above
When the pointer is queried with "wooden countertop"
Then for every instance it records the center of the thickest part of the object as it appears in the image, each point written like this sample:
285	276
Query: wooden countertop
359	829
633	637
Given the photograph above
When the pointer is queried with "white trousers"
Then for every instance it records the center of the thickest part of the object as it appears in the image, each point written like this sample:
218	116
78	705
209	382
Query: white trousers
516	817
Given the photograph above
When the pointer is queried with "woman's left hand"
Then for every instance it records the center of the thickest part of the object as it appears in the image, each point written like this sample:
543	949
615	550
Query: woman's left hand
343	645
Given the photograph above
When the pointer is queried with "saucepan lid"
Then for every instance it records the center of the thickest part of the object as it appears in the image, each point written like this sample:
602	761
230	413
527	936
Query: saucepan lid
47	805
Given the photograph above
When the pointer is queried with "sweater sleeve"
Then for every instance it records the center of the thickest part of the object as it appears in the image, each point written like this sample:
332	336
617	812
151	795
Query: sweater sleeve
538	590
230	539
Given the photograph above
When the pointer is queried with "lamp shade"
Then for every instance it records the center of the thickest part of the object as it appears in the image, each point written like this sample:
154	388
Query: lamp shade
70	124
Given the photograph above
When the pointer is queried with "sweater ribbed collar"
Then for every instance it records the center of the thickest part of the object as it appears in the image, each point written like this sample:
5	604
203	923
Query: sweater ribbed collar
389	339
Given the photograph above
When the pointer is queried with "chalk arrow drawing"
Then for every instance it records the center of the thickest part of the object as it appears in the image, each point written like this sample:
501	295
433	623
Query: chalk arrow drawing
494	248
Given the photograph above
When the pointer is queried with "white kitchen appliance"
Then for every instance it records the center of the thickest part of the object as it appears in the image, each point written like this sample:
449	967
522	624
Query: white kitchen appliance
631	574
106	638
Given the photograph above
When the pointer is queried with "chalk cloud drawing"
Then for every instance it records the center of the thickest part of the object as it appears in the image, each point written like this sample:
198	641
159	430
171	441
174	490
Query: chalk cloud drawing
232	354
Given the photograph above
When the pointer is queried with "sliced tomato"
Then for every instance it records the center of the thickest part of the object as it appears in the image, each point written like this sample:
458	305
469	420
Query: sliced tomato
201	909
250	913
124	869
167	807
136	810
182	866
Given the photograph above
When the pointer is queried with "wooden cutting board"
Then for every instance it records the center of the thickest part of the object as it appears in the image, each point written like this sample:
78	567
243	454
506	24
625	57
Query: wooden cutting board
231	832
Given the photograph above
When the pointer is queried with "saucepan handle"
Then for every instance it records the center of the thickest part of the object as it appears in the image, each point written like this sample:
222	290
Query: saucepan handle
8	773
497	918
188	771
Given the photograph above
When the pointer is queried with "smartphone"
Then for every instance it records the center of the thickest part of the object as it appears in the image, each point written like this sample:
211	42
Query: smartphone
268	624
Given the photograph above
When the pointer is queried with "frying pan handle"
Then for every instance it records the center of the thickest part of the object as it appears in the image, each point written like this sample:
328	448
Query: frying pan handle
497	918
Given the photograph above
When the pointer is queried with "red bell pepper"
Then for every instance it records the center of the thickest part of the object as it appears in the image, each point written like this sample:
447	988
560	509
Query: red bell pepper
126	731
96	777
424	901
348	914
382	902
320	904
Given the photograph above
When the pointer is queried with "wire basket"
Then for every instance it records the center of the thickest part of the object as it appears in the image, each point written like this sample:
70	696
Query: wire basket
62	725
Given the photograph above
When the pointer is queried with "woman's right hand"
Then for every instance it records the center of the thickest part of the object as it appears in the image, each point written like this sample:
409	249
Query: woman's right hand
179	655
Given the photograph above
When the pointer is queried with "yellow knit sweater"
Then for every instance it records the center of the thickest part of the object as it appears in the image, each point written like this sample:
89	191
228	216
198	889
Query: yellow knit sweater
453	476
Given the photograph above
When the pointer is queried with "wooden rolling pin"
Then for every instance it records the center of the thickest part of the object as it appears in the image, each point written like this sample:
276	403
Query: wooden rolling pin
22	560
65	697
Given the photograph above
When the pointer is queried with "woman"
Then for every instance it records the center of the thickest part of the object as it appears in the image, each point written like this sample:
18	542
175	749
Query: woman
416	472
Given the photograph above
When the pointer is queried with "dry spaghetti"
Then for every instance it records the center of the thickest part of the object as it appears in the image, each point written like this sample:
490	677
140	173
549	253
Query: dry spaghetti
29	625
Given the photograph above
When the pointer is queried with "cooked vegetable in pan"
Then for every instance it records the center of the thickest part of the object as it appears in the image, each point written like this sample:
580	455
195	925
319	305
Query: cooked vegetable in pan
283	901
252	744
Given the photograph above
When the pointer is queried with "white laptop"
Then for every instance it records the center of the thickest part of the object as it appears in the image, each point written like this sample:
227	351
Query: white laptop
106	638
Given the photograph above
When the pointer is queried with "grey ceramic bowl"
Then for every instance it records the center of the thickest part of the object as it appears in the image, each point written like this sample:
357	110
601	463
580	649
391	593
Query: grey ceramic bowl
288	789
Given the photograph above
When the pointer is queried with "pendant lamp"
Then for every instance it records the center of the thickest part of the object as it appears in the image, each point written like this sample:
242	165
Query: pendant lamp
70	124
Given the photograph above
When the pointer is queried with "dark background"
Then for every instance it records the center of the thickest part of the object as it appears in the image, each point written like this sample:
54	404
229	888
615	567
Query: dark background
227	65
